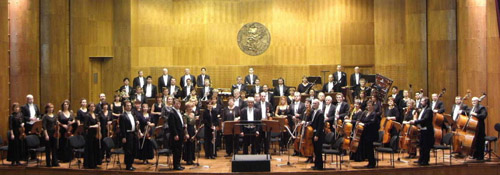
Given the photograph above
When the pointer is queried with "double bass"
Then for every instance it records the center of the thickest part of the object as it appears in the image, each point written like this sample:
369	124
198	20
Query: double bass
303	142
462	119
467	127
437	122
356	137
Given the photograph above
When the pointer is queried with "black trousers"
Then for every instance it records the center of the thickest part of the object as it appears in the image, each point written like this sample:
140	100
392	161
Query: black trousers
209	145
318	146
28	128
263	141
130	148
230	141
250	140
51	151
426	143
176	147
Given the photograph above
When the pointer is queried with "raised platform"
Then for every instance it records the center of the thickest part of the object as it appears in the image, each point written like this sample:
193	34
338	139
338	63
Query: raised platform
222	165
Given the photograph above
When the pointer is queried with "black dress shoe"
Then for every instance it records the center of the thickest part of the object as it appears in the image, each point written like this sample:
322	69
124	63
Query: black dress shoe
130	168
178	168
423	164
227	155
370	166
189	163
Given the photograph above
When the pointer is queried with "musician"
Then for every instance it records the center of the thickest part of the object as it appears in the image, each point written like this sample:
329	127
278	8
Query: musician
165	94
206	91
102	100
321	98
173	89
210	121
186	90
291	94
164	80
251	78
189	143
187	76
257	88
479	111
66	119
230	113
424	121
266	113
105	119
269	96
355	115
437	105
91	125
128	134
237	98
196	106
362	87
49	122
239	85
217	109
342	108
250	133
177	135
137	108
282	111
146	126
156	110
318	124
397	95
281	90
200	81
377	104
329	112
16	122
459	108
392	113
116	106
297	108
139	80
31	114
149	88
356	78
418	97
82	113
371	122
340	78
126	88
139	95
363	100
328	87
411	113
304	86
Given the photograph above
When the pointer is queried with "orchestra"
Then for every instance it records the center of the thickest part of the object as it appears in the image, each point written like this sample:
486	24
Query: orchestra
181	113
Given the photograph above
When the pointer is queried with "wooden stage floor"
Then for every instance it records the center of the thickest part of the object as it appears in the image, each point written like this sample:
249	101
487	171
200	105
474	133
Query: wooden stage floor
222	165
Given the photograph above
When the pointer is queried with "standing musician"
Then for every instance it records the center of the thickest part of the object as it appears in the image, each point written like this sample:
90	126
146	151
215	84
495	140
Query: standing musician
186	90
50	122
138	81
392	113
239	85
297	108
210	121
174	89
318	124
459	108
304	86
206	91
82	113
31	114
281	89
437	105
176	129
149	88
200	81
282	111
164	80
187	76
250	132
341	79
328	87
370	120
355	116
257	89
479	111
66	119
410	114
251	78
146	126
424	121
15	149
139	95
266	113
362	87
342	108
105	119
91	157
230	113
356	78
189	120
363	99
128	134
126	89
156	110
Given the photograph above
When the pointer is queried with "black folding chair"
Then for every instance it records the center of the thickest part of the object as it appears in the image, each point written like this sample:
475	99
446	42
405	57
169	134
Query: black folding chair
336	149
3	148
115	152
33	144
164	151
379	143
392	149
447	143
77	143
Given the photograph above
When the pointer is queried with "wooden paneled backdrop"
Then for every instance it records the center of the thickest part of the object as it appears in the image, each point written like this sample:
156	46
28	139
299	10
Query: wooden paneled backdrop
431	44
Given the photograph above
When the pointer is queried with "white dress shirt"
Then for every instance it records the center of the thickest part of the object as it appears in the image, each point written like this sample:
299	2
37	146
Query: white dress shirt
330	86
250	116
339	75
296	107
264	110
32	113
132	121
281	90
172	89
433	105
165	80
180	116
251	79
149	89
356	76
455	112
327	108
141	81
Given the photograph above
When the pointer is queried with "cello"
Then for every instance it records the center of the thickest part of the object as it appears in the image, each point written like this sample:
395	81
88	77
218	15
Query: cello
461	120
356	137
437	122
468	131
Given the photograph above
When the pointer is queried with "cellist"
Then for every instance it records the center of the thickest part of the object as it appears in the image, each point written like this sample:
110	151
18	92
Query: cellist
426	131
479	111
410	114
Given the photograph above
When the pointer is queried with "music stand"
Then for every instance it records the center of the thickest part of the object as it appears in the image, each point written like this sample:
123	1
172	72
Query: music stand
369	78
270	126
150	101
314	80
249	89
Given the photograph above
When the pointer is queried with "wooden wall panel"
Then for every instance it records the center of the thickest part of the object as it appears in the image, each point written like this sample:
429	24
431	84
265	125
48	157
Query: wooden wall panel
442	47
4	73
54	52
493	53
416	43
24	50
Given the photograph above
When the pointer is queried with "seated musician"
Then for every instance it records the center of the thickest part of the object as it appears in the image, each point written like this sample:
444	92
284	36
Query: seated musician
329	112
281	89
291	94
304	86
392	113
328	87
424	121
437	105
250	132
479	111
370	120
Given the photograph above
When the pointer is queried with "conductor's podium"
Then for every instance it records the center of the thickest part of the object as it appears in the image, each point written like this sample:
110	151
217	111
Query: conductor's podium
251	163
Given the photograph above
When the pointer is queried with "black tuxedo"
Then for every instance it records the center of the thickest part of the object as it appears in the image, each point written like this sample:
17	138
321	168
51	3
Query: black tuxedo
277	91
270	97
318	124
268	105
325	87
344	110
161	83
153	90
353	79
300	110
249	137
131	144
341	81
25	110
481	112
463	107
143	98
176	93
398	98
426	134
200	82
185	92
137	82
209	119
439	106
371	123
130	90
176	129
254	90
330	114
247	79
235	86
203	93
185	77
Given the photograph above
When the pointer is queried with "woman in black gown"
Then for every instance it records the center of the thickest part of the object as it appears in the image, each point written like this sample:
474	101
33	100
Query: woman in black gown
82	113
282	111
105	118
117	110
156	110
217	108
66	119
145	147
304	86
15	151
91	157
49	123
190	123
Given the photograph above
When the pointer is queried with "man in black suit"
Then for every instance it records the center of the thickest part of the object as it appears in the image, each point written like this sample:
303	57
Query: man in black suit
257	89
297	109
371	121
396	94
329	112
210	121
98	106
164	80
458	109
266	110
186	90
426	131
318	124
128	134
479	111
200	81
177	135
250	78
239	85
139	80
31	114
129	90
187	75
149	88
437	105
173	89
206	91
328	87
250	132
281	89
269	96
356	77
341	108
341	79
139	95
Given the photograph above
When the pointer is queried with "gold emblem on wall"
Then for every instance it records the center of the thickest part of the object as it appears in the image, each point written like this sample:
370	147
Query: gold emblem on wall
254	38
